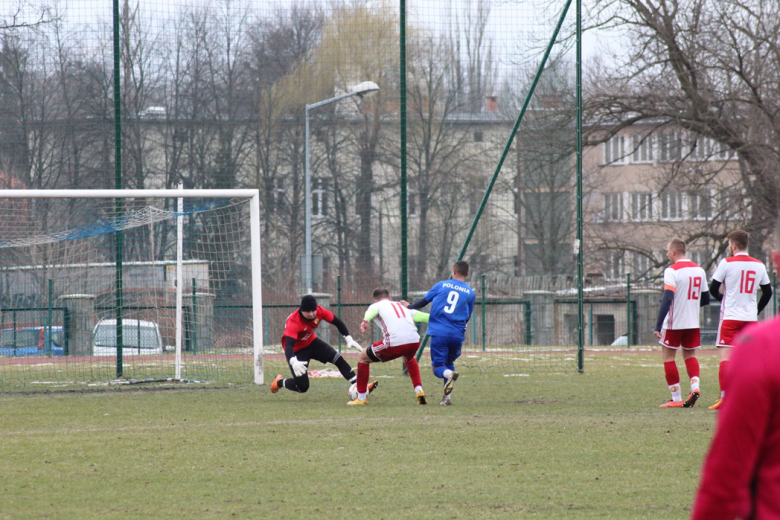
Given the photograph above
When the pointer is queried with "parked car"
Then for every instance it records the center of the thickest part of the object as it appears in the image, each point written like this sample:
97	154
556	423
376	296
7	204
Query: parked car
621	341
32	341
139	337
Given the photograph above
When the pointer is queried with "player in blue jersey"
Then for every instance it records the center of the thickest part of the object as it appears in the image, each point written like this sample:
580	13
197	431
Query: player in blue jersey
452	302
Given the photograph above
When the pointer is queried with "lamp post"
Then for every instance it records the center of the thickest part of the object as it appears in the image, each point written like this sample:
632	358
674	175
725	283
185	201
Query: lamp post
365	88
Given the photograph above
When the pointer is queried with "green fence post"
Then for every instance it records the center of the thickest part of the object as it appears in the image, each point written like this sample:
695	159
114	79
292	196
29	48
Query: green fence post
590	324
266	326
628	310
528	332
13	313
484	331
194	317
338	303
47	343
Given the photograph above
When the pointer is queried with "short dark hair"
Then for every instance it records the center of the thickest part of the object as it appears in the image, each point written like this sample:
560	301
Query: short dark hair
678	245
739	238
380	293
461	267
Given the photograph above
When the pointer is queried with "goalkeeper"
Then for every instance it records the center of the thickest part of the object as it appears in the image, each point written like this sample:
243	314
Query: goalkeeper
301	345
401	339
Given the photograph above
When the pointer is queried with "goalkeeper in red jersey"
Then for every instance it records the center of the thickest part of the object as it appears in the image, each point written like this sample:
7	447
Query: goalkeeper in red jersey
400	339
301	345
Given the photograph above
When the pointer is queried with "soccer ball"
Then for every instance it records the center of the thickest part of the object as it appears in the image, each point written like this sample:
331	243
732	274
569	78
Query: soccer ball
353	393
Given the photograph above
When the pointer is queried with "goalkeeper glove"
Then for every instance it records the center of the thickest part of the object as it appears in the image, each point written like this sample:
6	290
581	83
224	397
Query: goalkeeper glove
352	343
298	367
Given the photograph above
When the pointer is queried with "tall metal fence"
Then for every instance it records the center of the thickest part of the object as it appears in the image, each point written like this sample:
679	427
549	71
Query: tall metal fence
375	132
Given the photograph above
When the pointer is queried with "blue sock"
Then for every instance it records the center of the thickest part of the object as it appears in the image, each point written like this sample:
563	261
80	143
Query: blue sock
439	372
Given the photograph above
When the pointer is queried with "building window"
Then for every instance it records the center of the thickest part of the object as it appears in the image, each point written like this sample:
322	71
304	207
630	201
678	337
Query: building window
614	150
698	256
641	207
732	204
478	137
643	148
319	198
614	265
412	200
671	205
642	265
278	196
669	146
613	207
700	205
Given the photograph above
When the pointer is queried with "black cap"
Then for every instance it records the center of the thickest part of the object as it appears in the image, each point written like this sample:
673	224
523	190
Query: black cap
308	303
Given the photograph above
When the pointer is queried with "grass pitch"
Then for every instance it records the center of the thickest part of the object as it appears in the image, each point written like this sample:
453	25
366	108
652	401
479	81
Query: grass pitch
542	445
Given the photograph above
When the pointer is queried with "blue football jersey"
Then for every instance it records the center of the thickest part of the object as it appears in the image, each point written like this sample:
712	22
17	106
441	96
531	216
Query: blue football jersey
452	302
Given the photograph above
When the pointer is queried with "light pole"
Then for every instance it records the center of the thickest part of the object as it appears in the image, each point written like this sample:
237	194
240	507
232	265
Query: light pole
365	88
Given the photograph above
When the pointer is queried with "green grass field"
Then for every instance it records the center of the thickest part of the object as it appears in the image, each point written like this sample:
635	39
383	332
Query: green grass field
547	445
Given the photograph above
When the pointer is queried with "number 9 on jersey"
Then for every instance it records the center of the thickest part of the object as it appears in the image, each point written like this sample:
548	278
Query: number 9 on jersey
452	300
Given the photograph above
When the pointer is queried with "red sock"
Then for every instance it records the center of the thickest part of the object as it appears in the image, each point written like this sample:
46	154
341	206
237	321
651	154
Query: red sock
670	369
414	372
722	374
362	378
692	366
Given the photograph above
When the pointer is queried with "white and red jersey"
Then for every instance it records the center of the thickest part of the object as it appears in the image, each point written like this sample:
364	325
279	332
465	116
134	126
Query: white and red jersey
741	276
395	321
688	281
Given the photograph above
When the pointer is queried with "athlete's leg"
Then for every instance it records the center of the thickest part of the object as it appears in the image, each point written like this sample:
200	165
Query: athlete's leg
298	384
324	353
439	353
671	373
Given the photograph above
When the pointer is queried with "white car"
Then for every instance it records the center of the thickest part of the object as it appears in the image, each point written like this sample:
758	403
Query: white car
139	337
622	341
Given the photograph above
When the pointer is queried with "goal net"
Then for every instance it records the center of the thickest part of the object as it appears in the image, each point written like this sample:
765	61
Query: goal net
104	286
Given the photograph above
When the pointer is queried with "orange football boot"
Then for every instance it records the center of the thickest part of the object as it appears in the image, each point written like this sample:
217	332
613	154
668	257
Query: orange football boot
672	404
275	386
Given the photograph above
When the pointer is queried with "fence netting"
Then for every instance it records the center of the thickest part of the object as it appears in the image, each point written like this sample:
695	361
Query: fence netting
214	94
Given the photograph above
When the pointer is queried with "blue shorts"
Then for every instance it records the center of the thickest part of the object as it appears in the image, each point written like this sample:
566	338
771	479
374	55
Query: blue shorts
445	350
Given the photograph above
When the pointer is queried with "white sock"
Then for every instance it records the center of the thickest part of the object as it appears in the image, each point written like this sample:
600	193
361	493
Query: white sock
675	390
417	389
447	374
694	383
362	397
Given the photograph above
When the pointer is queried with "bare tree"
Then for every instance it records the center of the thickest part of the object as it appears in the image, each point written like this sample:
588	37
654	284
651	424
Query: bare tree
709	68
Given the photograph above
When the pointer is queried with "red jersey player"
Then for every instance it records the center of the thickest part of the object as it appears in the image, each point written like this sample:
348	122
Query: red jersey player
301	345
740	474
741	277
685	290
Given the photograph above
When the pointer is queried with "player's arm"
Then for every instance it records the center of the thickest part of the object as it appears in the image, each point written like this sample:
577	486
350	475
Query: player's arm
420	317
663	310
766	295
371	313
299	368
343	330
717	280
715	290
419	304
705	299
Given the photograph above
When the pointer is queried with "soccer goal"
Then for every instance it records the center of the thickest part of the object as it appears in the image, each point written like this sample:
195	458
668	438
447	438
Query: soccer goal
110	286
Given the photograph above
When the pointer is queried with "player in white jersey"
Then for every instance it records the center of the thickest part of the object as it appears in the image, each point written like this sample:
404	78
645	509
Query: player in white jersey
685	290
740	275
400	339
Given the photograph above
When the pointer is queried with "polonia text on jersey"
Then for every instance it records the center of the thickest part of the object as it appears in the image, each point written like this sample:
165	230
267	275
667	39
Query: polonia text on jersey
456	287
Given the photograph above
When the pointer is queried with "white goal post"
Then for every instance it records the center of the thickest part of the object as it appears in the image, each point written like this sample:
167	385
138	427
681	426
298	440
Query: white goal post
253	195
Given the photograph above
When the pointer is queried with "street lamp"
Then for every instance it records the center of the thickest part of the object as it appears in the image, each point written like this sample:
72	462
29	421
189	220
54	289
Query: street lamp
365	88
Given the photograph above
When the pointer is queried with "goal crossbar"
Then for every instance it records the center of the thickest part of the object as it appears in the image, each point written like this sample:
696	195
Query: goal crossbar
252	194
